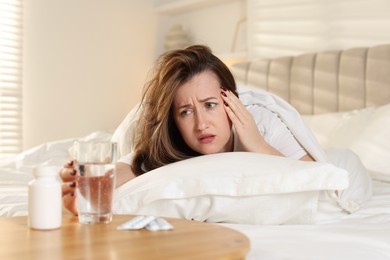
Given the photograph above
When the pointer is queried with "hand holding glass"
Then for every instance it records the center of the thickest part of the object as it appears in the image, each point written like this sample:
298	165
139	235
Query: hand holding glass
95	180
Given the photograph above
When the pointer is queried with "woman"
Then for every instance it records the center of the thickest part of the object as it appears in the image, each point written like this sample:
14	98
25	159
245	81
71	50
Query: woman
190	108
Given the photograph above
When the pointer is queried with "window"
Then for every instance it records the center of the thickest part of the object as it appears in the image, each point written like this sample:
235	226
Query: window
10	77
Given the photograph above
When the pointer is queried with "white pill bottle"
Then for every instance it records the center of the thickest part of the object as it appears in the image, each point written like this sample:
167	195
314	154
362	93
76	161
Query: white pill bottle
45	198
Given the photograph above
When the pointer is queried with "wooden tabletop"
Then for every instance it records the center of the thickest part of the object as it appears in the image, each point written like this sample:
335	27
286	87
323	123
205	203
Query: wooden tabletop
188	240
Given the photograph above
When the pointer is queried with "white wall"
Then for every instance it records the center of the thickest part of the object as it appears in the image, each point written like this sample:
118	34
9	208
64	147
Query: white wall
85	62
212	25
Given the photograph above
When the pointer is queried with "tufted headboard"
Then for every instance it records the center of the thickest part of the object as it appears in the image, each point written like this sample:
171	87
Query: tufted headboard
323	82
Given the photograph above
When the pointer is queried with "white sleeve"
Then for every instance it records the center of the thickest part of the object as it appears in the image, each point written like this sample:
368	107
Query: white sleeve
276	133
127	159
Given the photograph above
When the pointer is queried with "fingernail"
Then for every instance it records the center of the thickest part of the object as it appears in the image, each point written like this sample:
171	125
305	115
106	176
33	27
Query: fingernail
72	185
73	172
72	194
223	88
226	104
223	94
70	163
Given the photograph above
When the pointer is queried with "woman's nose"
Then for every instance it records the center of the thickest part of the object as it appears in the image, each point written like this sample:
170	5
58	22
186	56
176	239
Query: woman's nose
201	120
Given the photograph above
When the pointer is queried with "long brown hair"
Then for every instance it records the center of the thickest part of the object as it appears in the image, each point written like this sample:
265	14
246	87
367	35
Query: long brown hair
159	141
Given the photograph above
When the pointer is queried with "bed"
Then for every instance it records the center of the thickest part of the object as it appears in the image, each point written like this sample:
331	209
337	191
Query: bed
344	97
341	94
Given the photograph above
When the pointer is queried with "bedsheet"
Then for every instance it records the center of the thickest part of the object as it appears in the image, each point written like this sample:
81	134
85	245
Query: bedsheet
365	234
13	192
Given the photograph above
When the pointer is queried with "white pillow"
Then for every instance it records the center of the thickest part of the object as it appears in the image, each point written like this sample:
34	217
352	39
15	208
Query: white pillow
333	129
237	187
366	132
124	134
373	143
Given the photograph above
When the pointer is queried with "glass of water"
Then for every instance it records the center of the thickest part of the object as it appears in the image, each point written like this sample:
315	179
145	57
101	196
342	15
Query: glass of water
95	162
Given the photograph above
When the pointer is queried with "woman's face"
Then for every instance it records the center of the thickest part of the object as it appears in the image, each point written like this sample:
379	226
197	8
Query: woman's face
200	116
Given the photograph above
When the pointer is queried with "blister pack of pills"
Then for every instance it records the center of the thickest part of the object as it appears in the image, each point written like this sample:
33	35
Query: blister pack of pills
149	222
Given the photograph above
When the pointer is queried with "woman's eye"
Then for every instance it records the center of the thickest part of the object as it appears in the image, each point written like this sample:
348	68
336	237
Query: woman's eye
211	105
185	113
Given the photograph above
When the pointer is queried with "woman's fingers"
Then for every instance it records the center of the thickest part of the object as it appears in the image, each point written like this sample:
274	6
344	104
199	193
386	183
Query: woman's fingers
70	203
69	196
235	109
69	164
68	188
245	125
68	176
68	173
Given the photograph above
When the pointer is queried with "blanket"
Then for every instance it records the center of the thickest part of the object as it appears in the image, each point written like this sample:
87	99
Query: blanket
360	183
289	115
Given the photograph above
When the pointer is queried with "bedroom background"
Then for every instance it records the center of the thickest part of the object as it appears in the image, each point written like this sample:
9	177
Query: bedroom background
85	62
84	65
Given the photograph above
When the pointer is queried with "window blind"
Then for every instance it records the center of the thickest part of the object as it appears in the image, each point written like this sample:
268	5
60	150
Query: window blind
10	77
292	27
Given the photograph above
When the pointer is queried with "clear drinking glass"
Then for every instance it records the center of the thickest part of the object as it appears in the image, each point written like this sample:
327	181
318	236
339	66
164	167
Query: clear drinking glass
95	162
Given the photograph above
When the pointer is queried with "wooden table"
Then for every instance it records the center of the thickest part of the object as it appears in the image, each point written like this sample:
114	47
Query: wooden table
188	240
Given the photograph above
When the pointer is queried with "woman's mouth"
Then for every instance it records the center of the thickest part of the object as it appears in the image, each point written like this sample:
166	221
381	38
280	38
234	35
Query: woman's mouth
206	138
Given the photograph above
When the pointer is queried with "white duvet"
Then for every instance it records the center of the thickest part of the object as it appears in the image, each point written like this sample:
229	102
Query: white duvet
16	171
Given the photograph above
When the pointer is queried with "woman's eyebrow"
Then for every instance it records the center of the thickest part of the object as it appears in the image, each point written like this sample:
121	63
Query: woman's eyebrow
184	106
201	101
207	99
